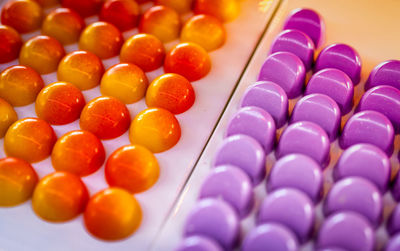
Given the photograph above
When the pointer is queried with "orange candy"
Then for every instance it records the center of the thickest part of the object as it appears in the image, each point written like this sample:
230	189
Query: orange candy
102	39
143	50
84	8
224	10
30	139
47	3
189	60
63	24
59	197
17	181
10	44
7	116
181	6
59	103
162	22
157	129
78	152
23	15
81	68
19	85
171	92
133	168
112	214
106	117
124	14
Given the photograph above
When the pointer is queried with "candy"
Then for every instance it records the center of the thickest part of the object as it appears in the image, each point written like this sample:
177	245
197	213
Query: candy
10	44
47	3
78	152
23	15
124	14
393	223
7	116
17	181
42	53
106	117
225	10
81	68
102	39
132	167
59	103
189	60
125	81
59	197
155	128
199	243
112	214
181	6
84	8
393	244
171	92
386	73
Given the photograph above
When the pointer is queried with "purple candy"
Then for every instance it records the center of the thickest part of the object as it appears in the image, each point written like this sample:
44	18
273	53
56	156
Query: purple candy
396	187
342	57
244	152
331	249
285	69
386	73
358	195
368	127
393	244
320	109
291	208
286	173
256	123
309	22
346	230
215	219
306	138
232	185
393	224
384	99
270	237
270	97
198	243
296	42
366	161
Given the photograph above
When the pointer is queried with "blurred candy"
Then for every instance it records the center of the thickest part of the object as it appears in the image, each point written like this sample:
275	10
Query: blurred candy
393	223
396	186
7	116
47	3
10	44
224	10
123	14
393	244
386	73
84	8
199	243
181	6
23	15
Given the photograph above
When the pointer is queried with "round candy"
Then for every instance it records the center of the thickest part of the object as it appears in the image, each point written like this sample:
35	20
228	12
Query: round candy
42	53
189	60
106	117
19	85
285	69
59	197
102	39
155	128
84	8
112	214
47	3
17	181
10	44
215	219
393	223
132	167
7	116
59	103
78	152
224	10
393	244
23	15
199	243
143	50
63	24
124	81
231	184
123	14
30	139
81	68
386	73
162	22
171	92
204	30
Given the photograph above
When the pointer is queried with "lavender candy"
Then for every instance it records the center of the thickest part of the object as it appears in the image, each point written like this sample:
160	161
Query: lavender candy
393	244
386	73
393	223
199	243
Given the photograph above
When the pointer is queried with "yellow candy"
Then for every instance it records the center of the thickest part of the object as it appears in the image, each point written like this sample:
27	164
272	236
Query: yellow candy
7	116
224	10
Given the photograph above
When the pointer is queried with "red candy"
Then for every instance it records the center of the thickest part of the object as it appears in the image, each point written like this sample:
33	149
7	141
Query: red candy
85	8
10	44
123	14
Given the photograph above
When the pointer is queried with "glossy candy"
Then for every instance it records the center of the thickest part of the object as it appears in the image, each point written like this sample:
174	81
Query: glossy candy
7	116
30	139
10	44
393	223
124	81
285	69
393	244
59	103
78	152
23	15
155	128
59	197
42	53
106	117
386	73
84	8
132	167
199	243
123	14
224	10
17	181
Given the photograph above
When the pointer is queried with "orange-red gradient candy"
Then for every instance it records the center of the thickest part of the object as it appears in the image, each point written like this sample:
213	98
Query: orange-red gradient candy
224	10
132	167
59	197
171	92
106	117
84	8
124	14
143	50
112	214
181	6
189	60
10	44
78	152
7	117
59	103
23	15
